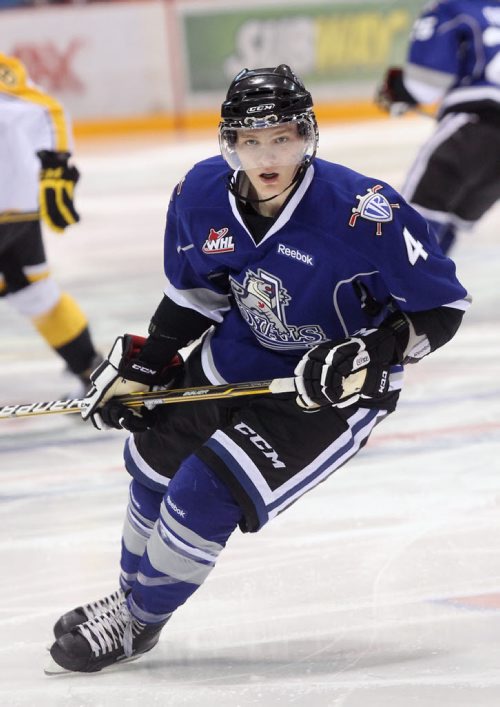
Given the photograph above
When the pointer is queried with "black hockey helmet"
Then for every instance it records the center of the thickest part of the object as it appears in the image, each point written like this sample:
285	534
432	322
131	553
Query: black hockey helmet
265	98
259	92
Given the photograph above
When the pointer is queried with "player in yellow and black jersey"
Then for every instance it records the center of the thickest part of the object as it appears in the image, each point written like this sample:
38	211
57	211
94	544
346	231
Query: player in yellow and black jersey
37	184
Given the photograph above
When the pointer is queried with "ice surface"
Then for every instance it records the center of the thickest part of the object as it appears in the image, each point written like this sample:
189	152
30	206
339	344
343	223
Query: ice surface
380	588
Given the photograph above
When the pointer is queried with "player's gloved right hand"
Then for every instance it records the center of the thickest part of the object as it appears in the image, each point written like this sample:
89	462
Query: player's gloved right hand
56	190
121	373
392	95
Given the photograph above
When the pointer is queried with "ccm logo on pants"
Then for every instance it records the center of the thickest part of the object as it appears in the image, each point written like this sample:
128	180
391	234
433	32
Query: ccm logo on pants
261	444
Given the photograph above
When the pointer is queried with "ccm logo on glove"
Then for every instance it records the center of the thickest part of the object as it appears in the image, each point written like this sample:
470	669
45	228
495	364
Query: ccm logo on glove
143	369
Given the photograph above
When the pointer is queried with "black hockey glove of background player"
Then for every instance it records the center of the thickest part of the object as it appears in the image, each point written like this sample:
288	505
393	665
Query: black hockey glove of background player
325	375
125	371
391	95
56	190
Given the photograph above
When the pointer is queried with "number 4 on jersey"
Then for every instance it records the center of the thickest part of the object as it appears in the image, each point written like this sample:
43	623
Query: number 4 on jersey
414	248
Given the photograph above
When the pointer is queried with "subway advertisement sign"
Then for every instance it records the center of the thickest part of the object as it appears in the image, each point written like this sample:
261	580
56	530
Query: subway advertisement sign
324	42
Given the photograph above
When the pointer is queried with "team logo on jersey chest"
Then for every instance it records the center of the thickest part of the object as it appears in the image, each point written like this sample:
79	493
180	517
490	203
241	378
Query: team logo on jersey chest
262	299
373	206
218	242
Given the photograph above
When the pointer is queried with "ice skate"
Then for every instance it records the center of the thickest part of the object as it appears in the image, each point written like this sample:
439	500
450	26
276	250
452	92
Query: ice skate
115	636
78	616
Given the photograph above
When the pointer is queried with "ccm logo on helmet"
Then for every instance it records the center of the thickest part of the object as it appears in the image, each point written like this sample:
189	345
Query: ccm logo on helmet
258	109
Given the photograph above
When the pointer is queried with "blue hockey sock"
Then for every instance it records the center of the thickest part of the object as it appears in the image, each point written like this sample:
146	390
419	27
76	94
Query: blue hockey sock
197	516
142	512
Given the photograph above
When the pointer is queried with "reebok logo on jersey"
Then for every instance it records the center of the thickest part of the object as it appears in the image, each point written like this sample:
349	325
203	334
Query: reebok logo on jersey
176	508
218	242
295	254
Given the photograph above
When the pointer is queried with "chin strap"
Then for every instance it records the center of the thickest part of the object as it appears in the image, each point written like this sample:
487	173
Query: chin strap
232	185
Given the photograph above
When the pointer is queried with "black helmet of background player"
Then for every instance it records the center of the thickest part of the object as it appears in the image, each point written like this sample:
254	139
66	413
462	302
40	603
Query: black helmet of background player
265	98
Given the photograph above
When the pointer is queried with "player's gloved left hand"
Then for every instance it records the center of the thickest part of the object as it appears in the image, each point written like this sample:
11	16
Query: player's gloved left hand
121	373
56	190
392	95
325	375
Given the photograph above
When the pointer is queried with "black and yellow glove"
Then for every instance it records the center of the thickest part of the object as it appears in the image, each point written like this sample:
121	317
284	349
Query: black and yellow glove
57	185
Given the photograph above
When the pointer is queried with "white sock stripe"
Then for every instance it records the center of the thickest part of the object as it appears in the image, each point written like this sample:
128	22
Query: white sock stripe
170	562
134	508
146	616
187	550
142	527
128	576
135	536
186	535
156	581
140	520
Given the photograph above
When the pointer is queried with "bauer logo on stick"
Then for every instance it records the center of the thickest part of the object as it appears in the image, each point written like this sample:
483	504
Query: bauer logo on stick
53	406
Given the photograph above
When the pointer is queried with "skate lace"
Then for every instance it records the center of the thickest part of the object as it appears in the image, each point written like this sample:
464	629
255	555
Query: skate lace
111	631
95	608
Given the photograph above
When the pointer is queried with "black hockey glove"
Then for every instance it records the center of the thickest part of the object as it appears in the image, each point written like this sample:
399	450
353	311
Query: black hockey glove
392	95
56	189
346	372
121	373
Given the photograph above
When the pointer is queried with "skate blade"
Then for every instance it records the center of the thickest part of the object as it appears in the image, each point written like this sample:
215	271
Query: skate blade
53	668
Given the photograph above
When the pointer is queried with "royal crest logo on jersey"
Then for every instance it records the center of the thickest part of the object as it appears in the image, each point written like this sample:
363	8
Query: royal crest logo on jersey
262	300
218	242
373	206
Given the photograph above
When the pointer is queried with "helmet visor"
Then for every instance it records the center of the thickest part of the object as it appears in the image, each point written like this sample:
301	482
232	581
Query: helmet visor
266	144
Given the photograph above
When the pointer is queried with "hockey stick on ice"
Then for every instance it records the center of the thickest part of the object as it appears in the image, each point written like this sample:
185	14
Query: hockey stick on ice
275	386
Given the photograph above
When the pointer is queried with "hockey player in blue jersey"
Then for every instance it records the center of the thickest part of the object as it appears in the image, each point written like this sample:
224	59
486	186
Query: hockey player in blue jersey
285	265
453	60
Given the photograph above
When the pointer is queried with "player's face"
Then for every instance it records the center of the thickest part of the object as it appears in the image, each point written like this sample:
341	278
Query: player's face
270	157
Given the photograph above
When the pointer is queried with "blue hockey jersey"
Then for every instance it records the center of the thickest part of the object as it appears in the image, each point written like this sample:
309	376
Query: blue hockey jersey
455	51
344	250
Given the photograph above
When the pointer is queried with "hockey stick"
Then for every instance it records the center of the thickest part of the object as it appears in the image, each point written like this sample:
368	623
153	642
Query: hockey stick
167	396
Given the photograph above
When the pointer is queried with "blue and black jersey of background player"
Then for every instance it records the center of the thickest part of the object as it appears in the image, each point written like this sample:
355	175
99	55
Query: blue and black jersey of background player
455	47
344	251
